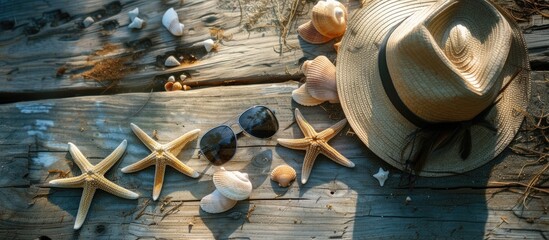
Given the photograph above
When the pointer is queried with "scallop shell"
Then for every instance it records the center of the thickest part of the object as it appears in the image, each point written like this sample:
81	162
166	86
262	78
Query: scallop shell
305	66
215	202
171	61
88	22
308	32
301	96
177	86
136	23
232	184
170	20
284	175
321	80
133	13
330	18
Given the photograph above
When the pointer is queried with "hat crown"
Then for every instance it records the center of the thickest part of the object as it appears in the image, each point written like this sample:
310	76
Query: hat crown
446	61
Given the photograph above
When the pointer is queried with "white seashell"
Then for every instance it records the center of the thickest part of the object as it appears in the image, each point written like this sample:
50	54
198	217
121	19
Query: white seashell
303	97
170	20
208	44
381	176
408	200
88	21
215	202
171	61
321	80
232	184
283	175
133	13
182	77
171	79
136	23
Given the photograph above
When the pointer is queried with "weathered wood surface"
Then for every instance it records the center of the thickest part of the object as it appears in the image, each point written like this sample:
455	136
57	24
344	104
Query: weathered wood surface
337	202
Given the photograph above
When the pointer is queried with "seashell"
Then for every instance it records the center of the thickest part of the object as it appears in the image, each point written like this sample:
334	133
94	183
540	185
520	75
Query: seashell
305	66
186	87
136	23
171	79
208	44
168	86
182	77
215	202
308	32
171	61
177	86
381	176
301	96
336	46
321	80
170	20
232	184
330	18
88	22
284	175
133	13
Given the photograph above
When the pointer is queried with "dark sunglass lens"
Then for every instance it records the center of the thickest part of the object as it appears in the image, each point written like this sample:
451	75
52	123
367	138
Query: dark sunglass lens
259	122
218	145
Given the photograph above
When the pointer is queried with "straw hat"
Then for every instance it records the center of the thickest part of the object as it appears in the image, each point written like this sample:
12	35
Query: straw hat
407	65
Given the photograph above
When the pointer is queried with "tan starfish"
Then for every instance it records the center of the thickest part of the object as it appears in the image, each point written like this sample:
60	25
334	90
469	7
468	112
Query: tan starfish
92	178
162	155
315	143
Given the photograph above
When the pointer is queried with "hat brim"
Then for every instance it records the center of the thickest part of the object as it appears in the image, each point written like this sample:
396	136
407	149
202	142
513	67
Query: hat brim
381	127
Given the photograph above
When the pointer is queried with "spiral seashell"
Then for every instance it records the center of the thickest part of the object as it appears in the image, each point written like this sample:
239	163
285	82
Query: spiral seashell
232	184
301	96
284	175
88	22
321	80
330	18
133	13
171	61
215	202
308	32
136	23
170	20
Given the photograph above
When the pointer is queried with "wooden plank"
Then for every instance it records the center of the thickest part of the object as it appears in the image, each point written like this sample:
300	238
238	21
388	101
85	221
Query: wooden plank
337	202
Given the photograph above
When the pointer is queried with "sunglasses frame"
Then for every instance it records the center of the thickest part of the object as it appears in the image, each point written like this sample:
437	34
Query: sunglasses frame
235	134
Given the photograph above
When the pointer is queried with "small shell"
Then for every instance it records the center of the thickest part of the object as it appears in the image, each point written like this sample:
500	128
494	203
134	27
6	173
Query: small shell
321	80
171	61
186	87
215	202
330	18
381	176
182	77
170	20
303	97
284	175
308	32
208	44
88	22
232	184
171	79
177	86
168	86
336	46
136	23
133	14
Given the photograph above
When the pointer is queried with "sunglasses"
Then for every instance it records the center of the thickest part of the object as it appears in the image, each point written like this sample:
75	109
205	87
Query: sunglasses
218	144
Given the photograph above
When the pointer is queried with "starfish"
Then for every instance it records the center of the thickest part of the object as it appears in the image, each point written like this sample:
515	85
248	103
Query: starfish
162	155
315	143
91	179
